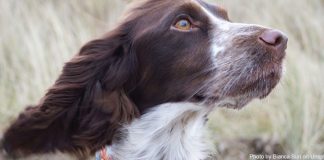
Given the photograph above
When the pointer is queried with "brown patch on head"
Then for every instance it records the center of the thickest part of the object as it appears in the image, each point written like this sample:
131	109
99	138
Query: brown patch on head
217	10
222	12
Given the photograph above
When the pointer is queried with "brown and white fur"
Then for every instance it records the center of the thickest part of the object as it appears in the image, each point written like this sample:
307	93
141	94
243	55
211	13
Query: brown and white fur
145	88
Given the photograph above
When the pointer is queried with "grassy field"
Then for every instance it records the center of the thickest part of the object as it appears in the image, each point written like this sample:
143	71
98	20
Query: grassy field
37	37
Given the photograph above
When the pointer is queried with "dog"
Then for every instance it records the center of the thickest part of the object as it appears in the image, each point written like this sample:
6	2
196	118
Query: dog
145	89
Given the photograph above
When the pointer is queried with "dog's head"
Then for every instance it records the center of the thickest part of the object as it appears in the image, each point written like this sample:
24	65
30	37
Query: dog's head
190	50
164	51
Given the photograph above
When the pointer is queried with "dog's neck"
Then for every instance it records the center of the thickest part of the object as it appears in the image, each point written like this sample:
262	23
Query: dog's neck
169	131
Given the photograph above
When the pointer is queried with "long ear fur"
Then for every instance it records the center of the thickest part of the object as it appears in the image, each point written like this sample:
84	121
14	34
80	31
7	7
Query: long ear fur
83	109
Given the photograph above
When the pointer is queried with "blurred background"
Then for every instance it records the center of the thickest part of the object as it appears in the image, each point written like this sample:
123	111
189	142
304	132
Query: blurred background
37	37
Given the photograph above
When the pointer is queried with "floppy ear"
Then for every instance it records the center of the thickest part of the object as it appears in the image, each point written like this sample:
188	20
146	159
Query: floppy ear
81	112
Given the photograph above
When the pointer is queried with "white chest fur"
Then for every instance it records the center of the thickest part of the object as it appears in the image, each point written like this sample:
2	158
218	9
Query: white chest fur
173	131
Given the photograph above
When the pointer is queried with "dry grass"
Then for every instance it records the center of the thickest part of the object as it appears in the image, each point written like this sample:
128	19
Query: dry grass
37	37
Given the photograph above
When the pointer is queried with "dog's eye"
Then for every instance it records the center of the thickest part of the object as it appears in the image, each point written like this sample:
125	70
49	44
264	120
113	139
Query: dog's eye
183	24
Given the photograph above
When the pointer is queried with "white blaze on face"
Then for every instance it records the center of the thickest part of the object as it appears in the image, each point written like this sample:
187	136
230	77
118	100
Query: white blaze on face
221	26
224	32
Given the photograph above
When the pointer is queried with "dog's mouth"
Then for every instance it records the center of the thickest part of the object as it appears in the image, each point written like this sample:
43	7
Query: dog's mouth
206	99
262	86
243	92
216	101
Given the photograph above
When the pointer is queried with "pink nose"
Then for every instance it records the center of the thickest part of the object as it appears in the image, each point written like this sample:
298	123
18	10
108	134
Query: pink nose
274	38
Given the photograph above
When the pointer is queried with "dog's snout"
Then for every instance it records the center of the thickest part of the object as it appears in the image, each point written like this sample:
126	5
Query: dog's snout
274	38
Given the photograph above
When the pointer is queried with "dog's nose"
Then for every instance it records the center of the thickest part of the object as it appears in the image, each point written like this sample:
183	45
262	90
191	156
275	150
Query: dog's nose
274	38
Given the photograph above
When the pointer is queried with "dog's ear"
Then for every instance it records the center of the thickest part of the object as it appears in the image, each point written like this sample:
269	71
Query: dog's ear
81	112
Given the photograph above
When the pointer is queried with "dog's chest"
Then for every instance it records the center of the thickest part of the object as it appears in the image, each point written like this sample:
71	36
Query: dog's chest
170	131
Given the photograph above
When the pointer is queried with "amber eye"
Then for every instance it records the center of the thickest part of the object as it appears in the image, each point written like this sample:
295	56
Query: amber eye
183	24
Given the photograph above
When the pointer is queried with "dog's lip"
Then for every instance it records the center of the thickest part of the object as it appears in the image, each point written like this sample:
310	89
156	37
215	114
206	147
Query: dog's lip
216	101
200	97
229	104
